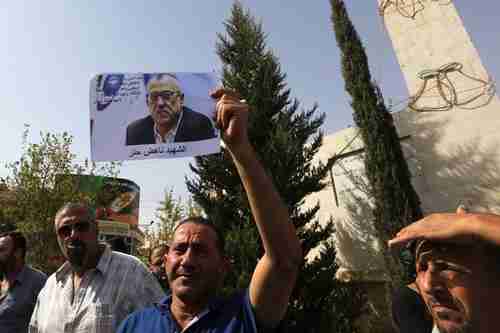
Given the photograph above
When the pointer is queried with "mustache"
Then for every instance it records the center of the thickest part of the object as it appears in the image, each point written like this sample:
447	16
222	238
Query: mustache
184	272
166	109
448	301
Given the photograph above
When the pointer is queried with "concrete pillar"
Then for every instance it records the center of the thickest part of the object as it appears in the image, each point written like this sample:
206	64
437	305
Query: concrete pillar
456	142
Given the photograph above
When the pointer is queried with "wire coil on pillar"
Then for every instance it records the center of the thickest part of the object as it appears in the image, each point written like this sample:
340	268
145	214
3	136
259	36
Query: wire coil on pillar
407	8
447	91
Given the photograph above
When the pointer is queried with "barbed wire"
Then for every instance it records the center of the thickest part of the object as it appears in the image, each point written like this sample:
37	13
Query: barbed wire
450	97
487	87
392	106
401	7
405	9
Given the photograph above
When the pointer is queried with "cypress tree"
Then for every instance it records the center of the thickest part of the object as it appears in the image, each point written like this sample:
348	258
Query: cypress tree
286	138
396	204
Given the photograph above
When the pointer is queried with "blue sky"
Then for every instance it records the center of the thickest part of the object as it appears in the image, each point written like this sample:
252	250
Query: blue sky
51	49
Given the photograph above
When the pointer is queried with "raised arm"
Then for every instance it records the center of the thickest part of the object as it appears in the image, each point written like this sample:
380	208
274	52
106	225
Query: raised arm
274	277
459	227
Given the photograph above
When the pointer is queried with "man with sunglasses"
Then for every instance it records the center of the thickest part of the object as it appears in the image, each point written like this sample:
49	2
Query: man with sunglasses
168	120
458	269
196	262
19	284
96	288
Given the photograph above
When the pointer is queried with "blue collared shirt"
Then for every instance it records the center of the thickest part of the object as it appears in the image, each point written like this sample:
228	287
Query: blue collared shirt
234	314
18	303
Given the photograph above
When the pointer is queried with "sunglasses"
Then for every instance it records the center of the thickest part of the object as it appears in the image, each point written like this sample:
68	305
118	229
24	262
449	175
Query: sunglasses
65	231
166	95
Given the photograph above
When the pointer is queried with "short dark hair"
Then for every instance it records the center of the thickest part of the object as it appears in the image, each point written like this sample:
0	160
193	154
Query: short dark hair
219	242
18	241
90	215
90	212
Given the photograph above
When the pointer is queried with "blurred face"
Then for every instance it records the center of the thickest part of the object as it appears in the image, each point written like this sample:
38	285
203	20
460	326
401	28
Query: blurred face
77	237
112	84
156	260
7	255
194	265
164	103
459	294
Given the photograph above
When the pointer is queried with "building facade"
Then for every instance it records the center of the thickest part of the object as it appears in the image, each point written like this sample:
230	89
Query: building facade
449	133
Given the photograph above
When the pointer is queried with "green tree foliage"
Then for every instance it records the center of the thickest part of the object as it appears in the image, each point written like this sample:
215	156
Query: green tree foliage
286	139
37	191
396	204
172	210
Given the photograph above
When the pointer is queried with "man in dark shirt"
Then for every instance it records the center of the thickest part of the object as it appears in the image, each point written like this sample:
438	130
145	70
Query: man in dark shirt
169	120
20	284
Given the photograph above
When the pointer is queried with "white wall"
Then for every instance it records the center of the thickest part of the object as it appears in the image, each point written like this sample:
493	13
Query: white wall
453	155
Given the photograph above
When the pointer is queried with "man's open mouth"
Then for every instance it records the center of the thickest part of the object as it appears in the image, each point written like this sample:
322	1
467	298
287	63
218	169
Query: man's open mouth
447	312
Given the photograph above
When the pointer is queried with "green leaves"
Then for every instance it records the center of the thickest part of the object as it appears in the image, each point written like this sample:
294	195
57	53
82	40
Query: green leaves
38	189
172	210
389	180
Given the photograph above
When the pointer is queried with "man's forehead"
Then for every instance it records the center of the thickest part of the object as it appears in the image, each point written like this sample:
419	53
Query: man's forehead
446	252
159	86
71	214
194	231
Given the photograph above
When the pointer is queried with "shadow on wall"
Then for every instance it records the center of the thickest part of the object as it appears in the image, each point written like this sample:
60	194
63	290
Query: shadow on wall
359	251
445	173
453	172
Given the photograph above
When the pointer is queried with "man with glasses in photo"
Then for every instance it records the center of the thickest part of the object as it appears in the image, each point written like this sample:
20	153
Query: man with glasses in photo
96	288
168	120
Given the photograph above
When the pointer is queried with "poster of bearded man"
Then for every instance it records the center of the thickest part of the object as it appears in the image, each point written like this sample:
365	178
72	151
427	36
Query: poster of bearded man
152	115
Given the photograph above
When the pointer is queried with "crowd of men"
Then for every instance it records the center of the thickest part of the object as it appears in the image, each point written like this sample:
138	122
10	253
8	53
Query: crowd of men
99	290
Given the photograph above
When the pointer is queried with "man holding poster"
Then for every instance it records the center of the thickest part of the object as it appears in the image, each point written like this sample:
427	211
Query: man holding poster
168	120
196	263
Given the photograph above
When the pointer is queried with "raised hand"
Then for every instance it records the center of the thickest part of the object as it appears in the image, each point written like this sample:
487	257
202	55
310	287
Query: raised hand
231	118
443	227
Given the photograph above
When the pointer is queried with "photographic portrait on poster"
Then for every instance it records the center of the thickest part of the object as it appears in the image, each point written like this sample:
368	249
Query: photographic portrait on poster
152	115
